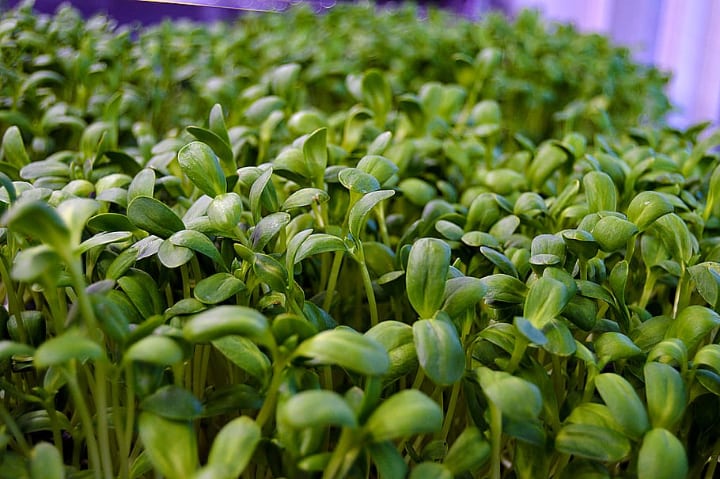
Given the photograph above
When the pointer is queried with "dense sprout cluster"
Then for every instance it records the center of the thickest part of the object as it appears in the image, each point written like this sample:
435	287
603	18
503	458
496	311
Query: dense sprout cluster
358	244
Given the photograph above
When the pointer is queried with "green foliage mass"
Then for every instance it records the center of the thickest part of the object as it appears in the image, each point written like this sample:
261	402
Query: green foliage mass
356	244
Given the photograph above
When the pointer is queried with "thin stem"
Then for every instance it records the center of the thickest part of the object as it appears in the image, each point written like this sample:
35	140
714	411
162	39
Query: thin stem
332	280
679	293
12	426
344	455
120	431
86	422
367	283
102	416
521	345
125	447
450	414
495	440
268	407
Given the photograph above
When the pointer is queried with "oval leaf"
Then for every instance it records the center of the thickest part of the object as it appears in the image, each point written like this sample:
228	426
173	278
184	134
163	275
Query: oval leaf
347	349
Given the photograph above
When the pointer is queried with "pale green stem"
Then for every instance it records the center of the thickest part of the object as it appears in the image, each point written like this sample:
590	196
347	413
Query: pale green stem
12	426
495	440
332	280
87	422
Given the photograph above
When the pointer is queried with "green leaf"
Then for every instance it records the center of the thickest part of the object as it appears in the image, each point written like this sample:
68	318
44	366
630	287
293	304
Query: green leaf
66	347
403	414
666	394
377	94
305	197
417	191
397	338
270	271
318	243
380	167
9	349
154	217
199	163
708	355
172	256
706	277
347	349
425	275
226	320
178	461
143	292
545	301
502	288
462	294
13	148
316	156
158	350
39	221
143	184
246	355
225	211
31	264
235	445
560	340
692	325
199	243
359	212
676	236
469	451
102	239
46	462
613	233
439	350
262	193
431	469
623	401
613	346
600	192
592	442
646	207
661	456
302	411
517	398
218	142
174	403
357	181
389	462
267	228
217	288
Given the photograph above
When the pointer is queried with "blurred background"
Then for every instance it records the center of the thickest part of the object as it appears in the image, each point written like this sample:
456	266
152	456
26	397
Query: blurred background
679	36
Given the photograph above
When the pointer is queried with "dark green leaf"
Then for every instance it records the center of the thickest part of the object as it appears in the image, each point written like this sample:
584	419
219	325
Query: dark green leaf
174	403
425	275
246	355
217	288
154	217
592	442
665	393
439	350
